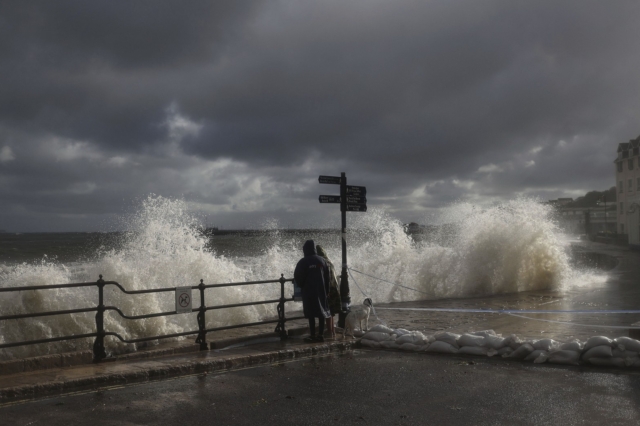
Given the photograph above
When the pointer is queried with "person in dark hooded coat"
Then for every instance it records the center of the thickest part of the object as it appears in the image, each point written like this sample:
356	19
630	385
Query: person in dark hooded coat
312	275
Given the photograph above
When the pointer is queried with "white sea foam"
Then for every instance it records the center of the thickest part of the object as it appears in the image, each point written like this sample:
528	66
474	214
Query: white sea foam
508	248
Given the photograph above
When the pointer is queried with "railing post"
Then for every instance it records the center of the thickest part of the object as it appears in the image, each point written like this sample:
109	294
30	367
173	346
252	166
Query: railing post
202	335
98	346
280	328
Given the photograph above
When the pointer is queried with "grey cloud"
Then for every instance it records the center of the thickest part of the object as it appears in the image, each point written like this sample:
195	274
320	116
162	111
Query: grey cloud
399	95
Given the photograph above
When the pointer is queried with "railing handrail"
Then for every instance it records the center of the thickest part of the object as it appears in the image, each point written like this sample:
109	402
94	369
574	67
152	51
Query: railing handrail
99	352
45	287
143	291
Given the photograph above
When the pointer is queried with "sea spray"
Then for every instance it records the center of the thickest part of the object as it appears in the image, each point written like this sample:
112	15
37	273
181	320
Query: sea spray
507	248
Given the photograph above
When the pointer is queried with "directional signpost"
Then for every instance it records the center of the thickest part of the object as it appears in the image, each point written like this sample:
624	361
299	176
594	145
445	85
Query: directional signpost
351	199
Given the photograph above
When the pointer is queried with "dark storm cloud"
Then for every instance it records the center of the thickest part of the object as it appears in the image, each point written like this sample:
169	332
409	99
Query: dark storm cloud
238	106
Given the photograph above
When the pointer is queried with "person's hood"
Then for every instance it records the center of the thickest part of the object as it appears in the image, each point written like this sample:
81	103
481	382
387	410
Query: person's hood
321	251
309	248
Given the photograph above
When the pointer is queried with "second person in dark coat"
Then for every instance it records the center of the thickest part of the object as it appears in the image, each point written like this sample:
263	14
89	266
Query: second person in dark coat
312	275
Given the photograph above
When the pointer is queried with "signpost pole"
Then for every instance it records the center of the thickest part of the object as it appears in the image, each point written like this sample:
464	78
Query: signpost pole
344	279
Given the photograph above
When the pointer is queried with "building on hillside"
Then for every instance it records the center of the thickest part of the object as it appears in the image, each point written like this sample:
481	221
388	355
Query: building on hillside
559	202
628	188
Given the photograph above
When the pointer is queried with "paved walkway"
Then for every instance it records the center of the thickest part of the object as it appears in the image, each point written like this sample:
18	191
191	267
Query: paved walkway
363	387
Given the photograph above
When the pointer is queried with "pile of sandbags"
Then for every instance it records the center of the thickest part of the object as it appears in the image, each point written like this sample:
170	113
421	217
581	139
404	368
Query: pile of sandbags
598	350
620	352
382	336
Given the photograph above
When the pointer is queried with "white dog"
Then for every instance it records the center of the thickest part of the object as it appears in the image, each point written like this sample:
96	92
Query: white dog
356	316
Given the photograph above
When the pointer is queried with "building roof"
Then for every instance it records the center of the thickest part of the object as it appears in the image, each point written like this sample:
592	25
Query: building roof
626	146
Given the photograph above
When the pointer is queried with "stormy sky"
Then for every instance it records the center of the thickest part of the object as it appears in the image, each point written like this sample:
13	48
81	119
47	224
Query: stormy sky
236	107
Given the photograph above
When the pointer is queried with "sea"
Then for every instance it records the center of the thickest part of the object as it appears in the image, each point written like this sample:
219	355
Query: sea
465	252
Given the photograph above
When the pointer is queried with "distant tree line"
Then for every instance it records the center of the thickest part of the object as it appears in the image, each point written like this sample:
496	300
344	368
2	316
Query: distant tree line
594	198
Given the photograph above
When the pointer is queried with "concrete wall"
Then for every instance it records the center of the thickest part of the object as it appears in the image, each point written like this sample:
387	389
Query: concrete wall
633	220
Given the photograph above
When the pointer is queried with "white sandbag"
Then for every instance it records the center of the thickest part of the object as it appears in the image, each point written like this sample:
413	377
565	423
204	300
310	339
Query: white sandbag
564	357
538	353
470	340
541	358
485	333
602	351
494	342
627	344
414	337
381	329
376	336
450	338
617	353
575	346
546	344
410	347
522	352
597	341
441	347
401	331
389	344
506	351
607	362
370	343
512	341
473	350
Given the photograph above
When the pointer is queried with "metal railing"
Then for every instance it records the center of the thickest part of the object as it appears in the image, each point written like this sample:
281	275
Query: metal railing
99	351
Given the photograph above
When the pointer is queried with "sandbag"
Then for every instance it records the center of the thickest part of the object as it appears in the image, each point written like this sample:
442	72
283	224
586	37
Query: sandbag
538	353
564	357
574	346
485	333
473	350
470	340
450	338
546	344
602	351
370	343
627	344
494	342
441	347
607	362
389	344
597	341
522	352
381	329
376	336
617	353
410	347
415	338
512	341
401	331
506	351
